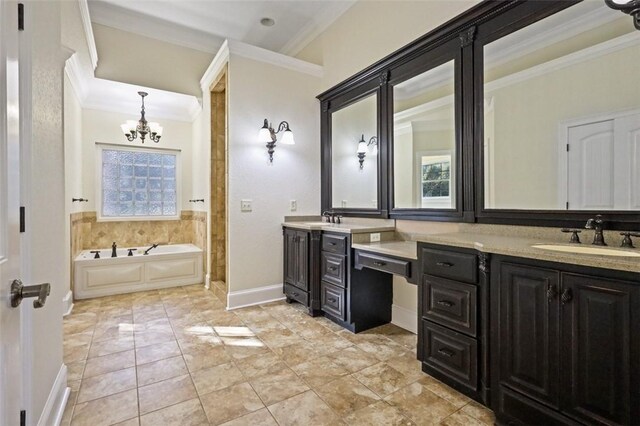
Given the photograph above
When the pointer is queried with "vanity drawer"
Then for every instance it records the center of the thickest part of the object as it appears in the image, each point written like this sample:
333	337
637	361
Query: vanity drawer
382	263
333	269
333	300
451	354
296	294
450	303
449	264
334	243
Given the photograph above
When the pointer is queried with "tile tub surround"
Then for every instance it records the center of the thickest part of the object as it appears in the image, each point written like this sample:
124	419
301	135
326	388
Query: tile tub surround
177	357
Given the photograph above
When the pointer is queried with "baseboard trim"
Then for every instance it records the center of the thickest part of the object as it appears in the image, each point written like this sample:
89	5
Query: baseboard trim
254	296
56	402
404	318
67	303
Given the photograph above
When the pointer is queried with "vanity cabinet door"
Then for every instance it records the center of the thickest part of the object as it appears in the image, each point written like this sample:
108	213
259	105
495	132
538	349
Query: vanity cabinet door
302	258
600	335
529	331
290	258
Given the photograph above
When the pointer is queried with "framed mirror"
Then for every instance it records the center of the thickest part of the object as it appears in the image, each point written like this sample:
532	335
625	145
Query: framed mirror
352	154
426	147
560	113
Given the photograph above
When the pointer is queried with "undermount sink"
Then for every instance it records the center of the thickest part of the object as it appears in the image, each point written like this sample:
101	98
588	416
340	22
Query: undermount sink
600	251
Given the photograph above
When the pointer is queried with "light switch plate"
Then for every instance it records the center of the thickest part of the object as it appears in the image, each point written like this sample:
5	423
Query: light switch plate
293	205
375	237
344	203
245	205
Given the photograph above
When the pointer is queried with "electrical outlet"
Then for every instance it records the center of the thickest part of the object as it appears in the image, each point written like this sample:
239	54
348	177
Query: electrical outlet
293	205
375	237
245	205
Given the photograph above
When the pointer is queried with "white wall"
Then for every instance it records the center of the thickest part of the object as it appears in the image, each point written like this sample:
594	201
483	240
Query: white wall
258	90
103	126
200	159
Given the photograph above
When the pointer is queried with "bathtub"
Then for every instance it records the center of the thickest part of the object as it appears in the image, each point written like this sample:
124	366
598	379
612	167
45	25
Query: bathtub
164	266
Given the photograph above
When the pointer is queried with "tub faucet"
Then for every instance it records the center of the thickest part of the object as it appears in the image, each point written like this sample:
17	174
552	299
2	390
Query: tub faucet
150	248
597	224
114	248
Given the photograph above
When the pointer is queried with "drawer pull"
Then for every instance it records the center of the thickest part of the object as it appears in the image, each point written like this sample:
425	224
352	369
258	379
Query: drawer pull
446	352
444	264
332	268
380	263
331	300
445	303
296	294
332	244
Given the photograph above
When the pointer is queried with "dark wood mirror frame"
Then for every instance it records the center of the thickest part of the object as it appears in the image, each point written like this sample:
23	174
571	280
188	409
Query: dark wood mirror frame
463	39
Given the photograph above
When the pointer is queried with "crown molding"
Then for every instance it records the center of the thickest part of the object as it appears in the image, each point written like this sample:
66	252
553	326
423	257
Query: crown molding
215	67
79	81
135	22
318	25
278	59
88	32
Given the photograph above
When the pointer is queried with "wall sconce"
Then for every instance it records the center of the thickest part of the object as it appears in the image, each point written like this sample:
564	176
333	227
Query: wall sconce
363	149
268	135
630	7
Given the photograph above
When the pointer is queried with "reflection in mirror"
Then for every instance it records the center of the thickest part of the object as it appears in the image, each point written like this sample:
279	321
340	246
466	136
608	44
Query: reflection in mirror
424	140
562	113
354	159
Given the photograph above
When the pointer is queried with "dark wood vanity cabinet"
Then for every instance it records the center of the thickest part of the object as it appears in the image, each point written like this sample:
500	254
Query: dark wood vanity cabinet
300	269
566	343
452	333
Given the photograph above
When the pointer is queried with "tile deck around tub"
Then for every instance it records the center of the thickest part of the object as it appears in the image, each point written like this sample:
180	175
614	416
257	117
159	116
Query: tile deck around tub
177	357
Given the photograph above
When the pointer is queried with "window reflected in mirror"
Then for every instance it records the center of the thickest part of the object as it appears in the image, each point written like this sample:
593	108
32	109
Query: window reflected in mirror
562	113
354	155
424	140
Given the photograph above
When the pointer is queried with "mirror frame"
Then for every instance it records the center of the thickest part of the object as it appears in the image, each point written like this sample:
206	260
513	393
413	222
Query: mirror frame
467	34
337	103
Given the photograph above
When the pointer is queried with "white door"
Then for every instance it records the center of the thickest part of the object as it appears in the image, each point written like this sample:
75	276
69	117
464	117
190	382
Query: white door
602	165
10	327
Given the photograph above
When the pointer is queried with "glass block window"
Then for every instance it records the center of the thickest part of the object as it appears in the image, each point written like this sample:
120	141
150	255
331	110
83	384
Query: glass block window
139	183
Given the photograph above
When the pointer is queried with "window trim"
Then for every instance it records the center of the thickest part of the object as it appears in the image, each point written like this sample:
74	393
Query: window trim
100	147
435	201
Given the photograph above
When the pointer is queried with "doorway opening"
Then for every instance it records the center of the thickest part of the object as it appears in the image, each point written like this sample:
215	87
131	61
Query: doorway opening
218	258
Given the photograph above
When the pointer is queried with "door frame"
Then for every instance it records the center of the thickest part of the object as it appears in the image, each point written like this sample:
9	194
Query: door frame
563	141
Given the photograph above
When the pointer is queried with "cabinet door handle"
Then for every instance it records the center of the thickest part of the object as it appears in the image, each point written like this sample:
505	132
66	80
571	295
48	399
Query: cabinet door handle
331	300
332	244
332	268
446	352
296	294
445	303
444	264
552	292
379	263
567	296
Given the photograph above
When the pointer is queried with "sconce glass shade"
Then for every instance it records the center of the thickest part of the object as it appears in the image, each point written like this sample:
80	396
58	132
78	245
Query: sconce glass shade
374	150
132	124
125	128
287	138
155	128
362	146
264	135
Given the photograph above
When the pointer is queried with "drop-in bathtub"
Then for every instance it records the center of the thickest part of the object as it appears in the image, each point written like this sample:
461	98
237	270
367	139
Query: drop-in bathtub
164	266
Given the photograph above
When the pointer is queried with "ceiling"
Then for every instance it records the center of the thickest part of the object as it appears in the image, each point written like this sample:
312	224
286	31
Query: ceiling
205	24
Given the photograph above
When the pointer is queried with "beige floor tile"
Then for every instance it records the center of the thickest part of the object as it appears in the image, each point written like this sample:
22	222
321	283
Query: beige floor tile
444	391
383	349
278	384
280	338
77	339
77	353
420	404
331	342
382	378
146	338
257	365
68	409
107	384
158	371
209	357
112	331
110	347
298	353
157	352
258	418
230	403
75	370
460	419
238	348
353	359
408	365
216	378
346	395
319	371
131	422
379	413
479	412
304	409
187	413
166	393
109	363
107	411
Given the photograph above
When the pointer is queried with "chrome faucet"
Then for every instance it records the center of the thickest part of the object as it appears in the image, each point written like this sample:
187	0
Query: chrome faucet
150	248
597	224
332	217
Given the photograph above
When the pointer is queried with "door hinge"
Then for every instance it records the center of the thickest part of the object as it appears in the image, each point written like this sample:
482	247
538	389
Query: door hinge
567	205
20	17
22	219
23	418
567	147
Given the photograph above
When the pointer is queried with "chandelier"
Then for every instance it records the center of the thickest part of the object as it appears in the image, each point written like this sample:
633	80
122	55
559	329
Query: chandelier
132	129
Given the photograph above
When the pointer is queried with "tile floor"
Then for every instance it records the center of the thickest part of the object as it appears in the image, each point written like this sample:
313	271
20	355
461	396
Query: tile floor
177	357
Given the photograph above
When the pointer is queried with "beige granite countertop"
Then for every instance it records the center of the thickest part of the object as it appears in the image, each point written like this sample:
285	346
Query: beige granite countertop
348	225
521	247
403	249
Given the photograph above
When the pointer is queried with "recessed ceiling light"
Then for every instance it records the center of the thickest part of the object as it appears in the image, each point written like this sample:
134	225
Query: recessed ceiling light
267	22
